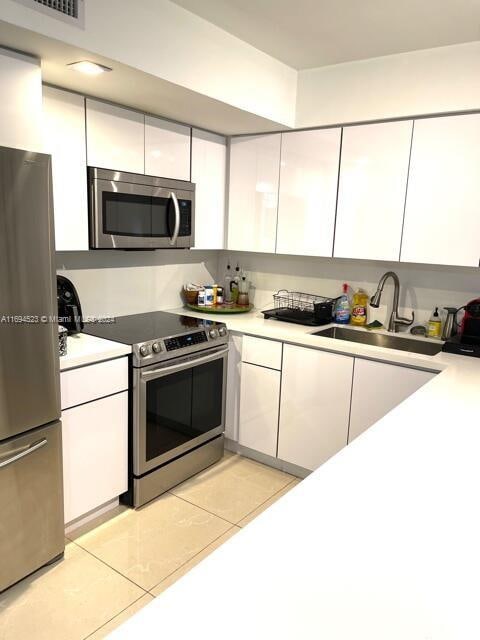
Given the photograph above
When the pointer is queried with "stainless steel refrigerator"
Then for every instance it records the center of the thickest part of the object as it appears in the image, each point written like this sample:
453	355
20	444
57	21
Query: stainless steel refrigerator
31	484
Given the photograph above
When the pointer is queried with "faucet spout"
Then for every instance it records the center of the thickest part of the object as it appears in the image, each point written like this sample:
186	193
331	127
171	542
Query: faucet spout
395	318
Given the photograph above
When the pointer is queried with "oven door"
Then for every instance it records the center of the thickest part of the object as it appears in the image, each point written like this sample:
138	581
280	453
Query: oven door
177	406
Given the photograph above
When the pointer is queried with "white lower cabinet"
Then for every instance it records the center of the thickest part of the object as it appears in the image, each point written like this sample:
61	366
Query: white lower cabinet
259	403
377	389
95	454
233	386
315	405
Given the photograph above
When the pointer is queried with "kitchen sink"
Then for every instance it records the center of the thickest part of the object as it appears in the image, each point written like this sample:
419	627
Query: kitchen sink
381	340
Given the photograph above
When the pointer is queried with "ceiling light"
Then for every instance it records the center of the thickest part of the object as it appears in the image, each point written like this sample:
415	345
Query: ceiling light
89	68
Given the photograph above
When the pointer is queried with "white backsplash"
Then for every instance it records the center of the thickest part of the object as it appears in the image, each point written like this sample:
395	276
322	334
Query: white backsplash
422	287
114	283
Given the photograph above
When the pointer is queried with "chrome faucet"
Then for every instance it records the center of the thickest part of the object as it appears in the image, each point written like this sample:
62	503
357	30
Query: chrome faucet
395	319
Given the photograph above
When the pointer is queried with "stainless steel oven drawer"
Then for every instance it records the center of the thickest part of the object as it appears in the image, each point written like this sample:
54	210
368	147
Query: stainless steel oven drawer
31	502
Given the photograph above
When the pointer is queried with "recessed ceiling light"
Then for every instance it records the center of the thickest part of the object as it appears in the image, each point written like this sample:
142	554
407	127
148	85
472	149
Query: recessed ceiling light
90	68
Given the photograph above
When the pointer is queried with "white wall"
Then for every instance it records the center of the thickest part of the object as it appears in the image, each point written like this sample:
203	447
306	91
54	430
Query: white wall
165	40
414	83
422	286
123	282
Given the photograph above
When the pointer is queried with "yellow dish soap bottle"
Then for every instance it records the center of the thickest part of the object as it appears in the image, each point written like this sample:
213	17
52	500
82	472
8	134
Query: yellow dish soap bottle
359	308
435	325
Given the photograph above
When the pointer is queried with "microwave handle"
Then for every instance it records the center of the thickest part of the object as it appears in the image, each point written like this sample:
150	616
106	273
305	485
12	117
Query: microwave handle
176	230
193	362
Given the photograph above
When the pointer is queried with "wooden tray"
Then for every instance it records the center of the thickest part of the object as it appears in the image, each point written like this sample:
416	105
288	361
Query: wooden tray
235	308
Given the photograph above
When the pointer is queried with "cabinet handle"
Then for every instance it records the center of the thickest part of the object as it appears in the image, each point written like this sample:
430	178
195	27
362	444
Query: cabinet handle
26	452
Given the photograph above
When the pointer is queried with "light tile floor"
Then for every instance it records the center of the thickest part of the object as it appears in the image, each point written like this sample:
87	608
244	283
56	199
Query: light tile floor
116	568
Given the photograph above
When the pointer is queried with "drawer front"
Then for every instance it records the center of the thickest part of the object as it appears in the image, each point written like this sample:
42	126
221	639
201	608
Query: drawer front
265	353
93	381
95	454
31	522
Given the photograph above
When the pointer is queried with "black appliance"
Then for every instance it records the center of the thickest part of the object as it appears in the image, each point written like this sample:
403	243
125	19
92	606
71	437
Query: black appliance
69	308
177	397
467	341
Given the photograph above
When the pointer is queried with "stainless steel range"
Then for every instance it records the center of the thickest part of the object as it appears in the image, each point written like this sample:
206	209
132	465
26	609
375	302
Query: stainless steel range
178	387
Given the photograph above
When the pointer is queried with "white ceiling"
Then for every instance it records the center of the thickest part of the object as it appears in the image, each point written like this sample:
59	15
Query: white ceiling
131	87
313	33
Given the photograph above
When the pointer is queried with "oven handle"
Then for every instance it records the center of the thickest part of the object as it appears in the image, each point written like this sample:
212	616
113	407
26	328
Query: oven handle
173	368
176	230
24	451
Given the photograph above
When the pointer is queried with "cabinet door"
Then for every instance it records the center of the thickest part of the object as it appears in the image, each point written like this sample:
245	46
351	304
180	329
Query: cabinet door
21	104
315	405
64	139
209	157
167	149
95	461
371	192
442	215
259	398
253	193
308	192
115	137
377	389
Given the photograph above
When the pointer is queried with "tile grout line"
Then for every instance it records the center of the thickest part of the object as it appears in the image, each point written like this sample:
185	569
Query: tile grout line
110	567
234	526
265	501
119	613
202	508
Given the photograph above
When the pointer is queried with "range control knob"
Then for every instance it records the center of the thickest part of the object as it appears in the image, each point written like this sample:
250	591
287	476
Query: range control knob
144	350
222	331
213	333
157	347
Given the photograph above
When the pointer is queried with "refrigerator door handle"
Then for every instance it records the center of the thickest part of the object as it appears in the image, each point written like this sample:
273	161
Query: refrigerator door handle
26	451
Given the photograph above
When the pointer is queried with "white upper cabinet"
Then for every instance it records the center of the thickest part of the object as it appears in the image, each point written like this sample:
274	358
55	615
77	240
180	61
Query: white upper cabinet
253	193
209	157
442	215
371	195
378	388
308	192
64	139
314	405
167	149
115	137
21	104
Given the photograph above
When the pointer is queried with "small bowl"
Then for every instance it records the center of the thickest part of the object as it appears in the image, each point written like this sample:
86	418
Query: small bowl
190	296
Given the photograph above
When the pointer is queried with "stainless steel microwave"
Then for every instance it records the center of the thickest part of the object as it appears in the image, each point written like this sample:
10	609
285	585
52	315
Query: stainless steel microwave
133	211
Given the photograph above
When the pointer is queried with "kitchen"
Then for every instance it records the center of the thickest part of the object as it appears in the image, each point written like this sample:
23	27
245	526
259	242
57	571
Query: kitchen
322	464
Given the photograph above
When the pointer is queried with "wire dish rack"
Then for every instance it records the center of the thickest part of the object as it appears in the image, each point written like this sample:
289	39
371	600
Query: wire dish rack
301	308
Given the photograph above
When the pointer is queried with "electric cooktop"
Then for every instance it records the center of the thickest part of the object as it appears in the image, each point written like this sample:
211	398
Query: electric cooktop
159	335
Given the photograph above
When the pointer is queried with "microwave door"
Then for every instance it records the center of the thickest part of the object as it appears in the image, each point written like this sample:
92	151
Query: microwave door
172	218
122	215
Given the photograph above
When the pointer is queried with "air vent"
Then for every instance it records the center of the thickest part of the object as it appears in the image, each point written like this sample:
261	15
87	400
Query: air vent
71	11
67	7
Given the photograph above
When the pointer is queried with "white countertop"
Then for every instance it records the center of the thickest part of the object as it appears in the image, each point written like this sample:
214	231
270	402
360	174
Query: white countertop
380	543
83	349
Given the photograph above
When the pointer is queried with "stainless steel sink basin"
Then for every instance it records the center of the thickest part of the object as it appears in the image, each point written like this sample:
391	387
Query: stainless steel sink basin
381	340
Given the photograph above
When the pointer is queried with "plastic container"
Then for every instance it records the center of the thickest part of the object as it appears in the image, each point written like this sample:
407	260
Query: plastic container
201	298
343	309
435	325
359	308
209	296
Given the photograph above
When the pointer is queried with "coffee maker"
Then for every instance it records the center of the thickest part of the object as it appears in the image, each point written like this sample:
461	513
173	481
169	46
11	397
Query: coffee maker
69	308
467	341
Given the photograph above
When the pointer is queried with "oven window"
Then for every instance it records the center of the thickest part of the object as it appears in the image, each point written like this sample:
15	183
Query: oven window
182	406
127	214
